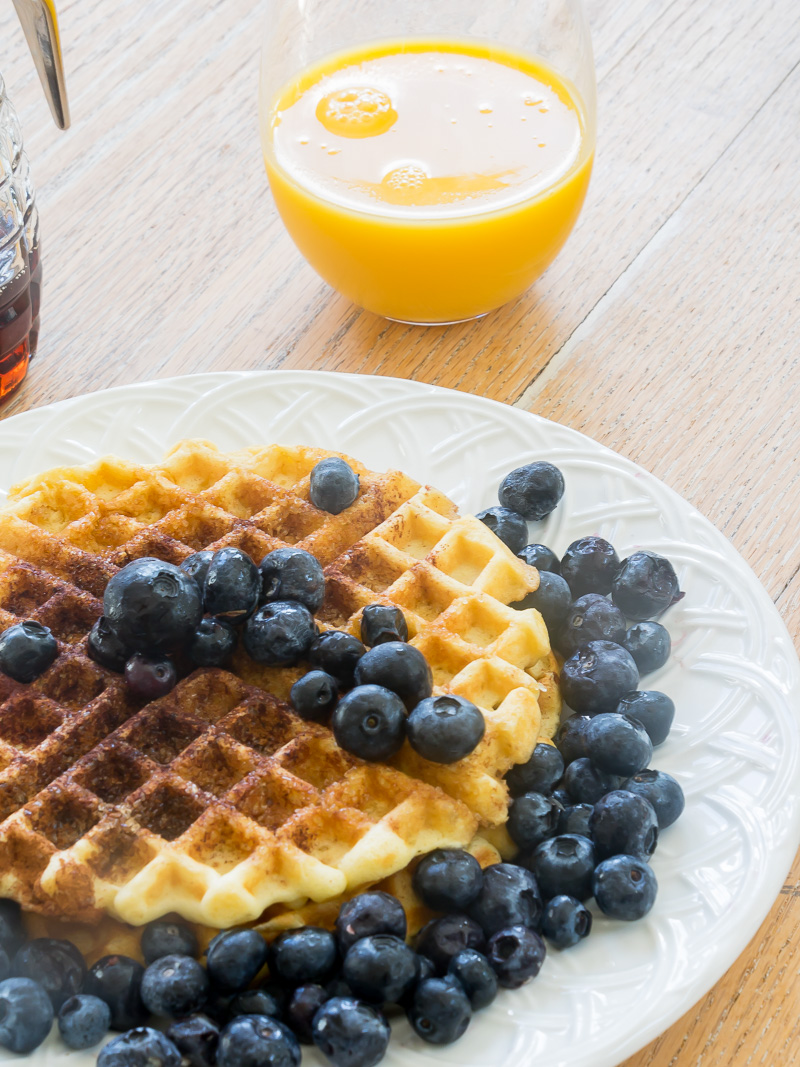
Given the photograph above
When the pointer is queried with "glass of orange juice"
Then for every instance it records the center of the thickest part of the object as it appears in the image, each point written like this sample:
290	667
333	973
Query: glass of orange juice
429	158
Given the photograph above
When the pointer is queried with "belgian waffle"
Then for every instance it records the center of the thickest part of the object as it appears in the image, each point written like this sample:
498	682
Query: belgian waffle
216	801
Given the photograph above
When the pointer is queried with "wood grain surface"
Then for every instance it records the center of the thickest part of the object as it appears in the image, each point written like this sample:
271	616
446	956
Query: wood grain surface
668	328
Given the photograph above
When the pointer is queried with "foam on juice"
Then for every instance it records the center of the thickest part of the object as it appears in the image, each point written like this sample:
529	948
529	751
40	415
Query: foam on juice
434	130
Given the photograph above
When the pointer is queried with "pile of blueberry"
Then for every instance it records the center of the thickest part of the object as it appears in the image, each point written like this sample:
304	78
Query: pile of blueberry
254	1003
587	812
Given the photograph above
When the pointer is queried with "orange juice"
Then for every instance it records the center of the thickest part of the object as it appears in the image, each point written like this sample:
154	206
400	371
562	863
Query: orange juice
428	181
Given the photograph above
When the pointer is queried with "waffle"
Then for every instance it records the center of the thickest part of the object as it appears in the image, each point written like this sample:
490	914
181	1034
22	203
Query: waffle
109	936
216	802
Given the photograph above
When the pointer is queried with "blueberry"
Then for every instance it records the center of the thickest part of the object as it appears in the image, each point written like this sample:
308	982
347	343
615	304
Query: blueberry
196	1039
166	938
314	696
399	667
650	645
515	954
370	722
373	912
473	972
566	921
597	677
509	897
117	980
257	1041
589	565
381	623
662	791
83	1021
26	650
57	966
349	1033
26	1014
105	648
175	986
575	820
440	1011
152	606
540	774
426	967
234	958
645	585
624	823
307	954
563	864
624	887
654	710
336	653
292	574
562	796
5	965
617	744
591	617
212	643
141	1047
441	939
304	1004
447	879
12	929
279	633
552	599
586	783
533	818
570	738
232	586
533	490
149	678
541	557
333	485
196	566
262	1001
380	968
506	524
446	728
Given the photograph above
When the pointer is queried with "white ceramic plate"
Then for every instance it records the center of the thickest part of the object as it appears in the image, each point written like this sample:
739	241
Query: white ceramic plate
733	675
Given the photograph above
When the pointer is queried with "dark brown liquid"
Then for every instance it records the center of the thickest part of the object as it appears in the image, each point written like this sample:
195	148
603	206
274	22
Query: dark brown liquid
19	322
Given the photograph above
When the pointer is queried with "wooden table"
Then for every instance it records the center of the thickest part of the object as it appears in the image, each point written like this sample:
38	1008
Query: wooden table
669	328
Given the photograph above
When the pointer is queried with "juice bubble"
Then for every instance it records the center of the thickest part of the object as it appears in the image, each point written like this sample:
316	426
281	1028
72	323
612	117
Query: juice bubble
406	176
406	183
356	112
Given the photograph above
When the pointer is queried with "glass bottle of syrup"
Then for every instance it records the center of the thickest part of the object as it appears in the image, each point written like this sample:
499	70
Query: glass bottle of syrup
20	259
20	252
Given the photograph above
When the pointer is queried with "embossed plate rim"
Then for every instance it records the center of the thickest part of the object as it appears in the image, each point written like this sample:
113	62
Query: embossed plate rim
63	432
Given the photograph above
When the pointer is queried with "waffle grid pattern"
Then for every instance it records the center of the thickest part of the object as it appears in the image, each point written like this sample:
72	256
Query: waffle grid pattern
216	801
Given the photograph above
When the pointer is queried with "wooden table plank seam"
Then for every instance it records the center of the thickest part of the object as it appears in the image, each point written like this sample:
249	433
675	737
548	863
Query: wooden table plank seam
645	30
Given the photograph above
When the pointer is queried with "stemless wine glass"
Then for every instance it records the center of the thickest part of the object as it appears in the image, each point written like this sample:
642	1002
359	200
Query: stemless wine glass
429	159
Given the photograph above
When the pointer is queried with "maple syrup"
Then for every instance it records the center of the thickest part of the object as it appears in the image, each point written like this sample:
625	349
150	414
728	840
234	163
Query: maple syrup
19	320
20	254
